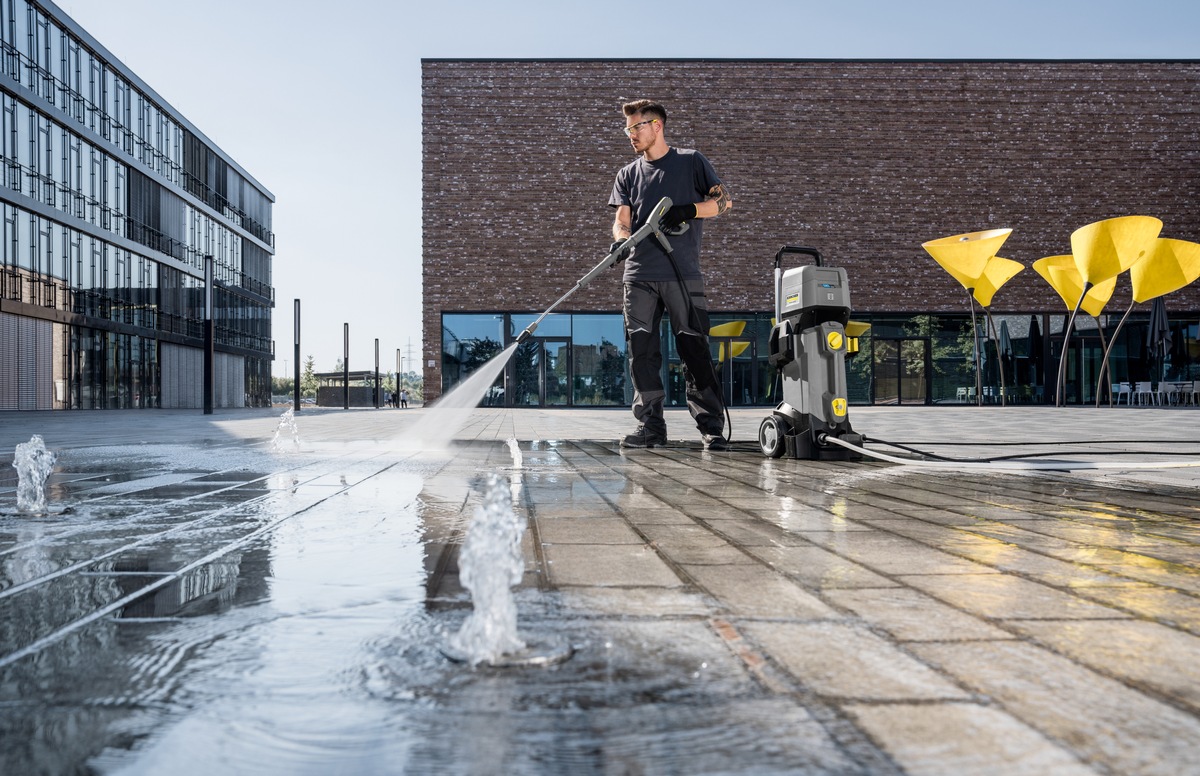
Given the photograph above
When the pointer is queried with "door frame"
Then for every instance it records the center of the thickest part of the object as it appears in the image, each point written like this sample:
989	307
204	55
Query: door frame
541	343
927	367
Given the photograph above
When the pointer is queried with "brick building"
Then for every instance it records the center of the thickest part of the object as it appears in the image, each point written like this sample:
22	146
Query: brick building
864	160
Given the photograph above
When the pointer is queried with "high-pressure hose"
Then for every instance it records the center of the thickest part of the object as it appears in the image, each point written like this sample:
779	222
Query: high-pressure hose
1005	465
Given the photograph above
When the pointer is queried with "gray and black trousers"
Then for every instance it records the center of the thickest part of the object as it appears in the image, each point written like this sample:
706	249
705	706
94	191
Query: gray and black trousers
644	305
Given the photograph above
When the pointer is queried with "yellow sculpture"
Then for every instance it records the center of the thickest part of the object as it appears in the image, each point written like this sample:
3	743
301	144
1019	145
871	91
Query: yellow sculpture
1102	250
1105	249
971	259
1167	267
731	329
1063	276
965	256
1170	266
995	274
1062	273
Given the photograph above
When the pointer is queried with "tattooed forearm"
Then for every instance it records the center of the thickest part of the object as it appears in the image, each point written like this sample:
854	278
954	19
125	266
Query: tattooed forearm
622	226
719	195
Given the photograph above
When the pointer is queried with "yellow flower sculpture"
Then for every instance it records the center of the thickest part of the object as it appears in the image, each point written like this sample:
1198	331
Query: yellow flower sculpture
971	259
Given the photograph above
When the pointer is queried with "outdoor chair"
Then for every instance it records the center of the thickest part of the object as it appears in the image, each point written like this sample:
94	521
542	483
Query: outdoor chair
1168	393
1144	393
1122	389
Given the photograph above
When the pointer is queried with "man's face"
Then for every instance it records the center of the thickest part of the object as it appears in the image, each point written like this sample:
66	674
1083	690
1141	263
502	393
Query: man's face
642	129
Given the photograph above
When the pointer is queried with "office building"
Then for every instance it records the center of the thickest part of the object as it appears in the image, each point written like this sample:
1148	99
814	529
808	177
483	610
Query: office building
111	202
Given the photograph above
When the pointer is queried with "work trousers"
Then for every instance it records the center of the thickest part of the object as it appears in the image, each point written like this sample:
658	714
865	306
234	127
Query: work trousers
644	305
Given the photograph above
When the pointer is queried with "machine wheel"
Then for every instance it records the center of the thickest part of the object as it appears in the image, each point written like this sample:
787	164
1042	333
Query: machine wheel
770	436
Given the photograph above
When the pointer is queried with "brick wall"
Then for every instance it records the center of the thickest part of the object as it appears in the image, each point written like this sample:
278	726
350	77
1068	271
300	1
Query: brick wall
864	160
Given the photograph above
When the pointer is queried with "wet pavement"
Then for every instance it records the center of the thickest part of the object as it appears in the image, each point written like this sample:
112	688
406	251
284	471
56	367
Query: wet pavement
199	601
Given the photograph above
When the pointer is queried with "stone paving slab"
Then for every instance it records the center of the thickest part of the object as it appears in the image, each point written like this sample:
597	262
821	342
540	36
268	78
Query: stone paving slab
847	661
961	738
729	612
1102	721
1122	648
909	615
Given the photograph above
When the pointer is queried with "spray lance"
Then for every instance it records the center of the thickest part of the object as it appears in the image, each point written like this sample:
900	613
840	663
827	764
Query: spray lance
653	226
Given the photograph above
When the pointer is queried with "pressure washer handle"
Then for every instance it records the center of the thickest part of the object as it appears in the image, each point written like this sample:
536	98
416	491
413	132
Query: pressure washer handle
816	254
653	226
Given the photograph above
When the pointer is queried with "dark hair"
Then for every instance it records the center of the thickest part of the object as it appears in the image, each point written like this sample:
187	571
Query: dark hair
646	106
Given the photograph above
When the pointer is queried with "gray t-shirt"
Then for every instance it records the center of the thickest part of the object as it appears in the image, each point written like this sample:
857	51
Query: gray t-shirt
686	177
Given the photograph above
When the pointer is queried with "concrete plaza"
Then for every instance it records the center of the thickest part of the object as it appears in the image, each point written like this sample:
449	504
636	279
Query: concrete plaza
200	600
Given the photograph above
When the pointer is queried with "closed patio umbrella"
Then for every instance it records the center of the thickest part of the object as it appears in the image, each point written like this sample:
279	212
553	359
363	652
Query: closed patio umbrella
1035	349
1006	357
1158	335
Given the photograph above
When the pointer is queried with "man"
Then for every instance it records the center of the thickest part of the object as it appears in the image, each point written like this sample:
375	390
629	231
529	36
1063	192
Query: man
655	282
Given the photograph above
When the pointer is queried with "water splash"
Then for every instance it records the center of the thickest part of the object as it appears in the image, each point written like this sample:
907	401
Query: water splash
490	563
442	421
287	423
515	448
33	463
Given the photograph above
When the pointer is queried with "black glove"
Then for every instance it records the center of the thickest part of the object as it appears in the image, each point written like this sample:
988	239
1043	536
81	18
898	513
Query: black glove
624	254
677	215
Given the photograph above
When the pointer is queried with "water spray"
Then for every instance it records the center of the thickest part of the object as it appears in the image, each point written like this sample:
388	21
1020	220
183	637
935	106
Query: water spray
33	463
490	564
287	424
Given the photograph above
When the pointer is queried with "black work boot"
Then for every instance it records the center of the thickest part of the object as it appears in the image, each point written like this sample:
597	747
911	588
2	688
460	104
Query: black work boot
645	436
715	442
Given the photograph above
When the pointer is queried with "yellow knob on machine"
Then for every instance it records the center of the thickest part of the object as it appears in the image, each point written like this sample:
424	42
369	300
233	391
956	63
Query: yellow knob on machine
834	339
839	407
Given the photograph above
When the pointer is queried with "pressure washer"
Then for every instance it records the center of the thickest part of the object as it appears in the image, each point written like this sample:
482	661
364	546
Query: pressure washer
808	346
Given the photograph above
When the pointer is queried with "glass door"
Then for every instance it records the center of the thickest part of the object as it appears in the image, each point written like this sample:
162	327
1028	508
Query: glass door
542	373
1083	368
555	373
734	359
901	368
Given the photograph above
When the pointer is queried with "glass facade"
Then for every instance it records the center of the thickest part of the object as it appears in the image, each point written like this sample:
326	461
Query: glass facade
927	359
110	205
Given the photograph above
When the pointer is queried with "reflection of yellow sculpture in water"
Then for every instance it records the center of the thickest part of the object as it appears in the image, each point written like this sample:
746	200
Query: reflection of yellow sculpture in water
971	260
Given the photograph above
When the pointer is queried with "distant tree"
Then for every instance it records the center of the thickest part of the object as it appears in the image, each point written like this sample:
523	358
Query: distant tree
282	386
308	380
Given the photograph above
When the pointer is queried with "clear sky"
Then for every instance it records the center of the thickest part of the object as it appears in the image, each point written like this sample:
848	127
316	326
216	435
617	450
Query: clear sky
321	102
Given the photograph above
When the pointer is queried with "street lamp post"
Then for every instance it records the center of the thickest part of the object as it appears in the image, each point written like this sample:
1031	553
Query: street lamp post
399	379
345	366
296	339
377	373
209	335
